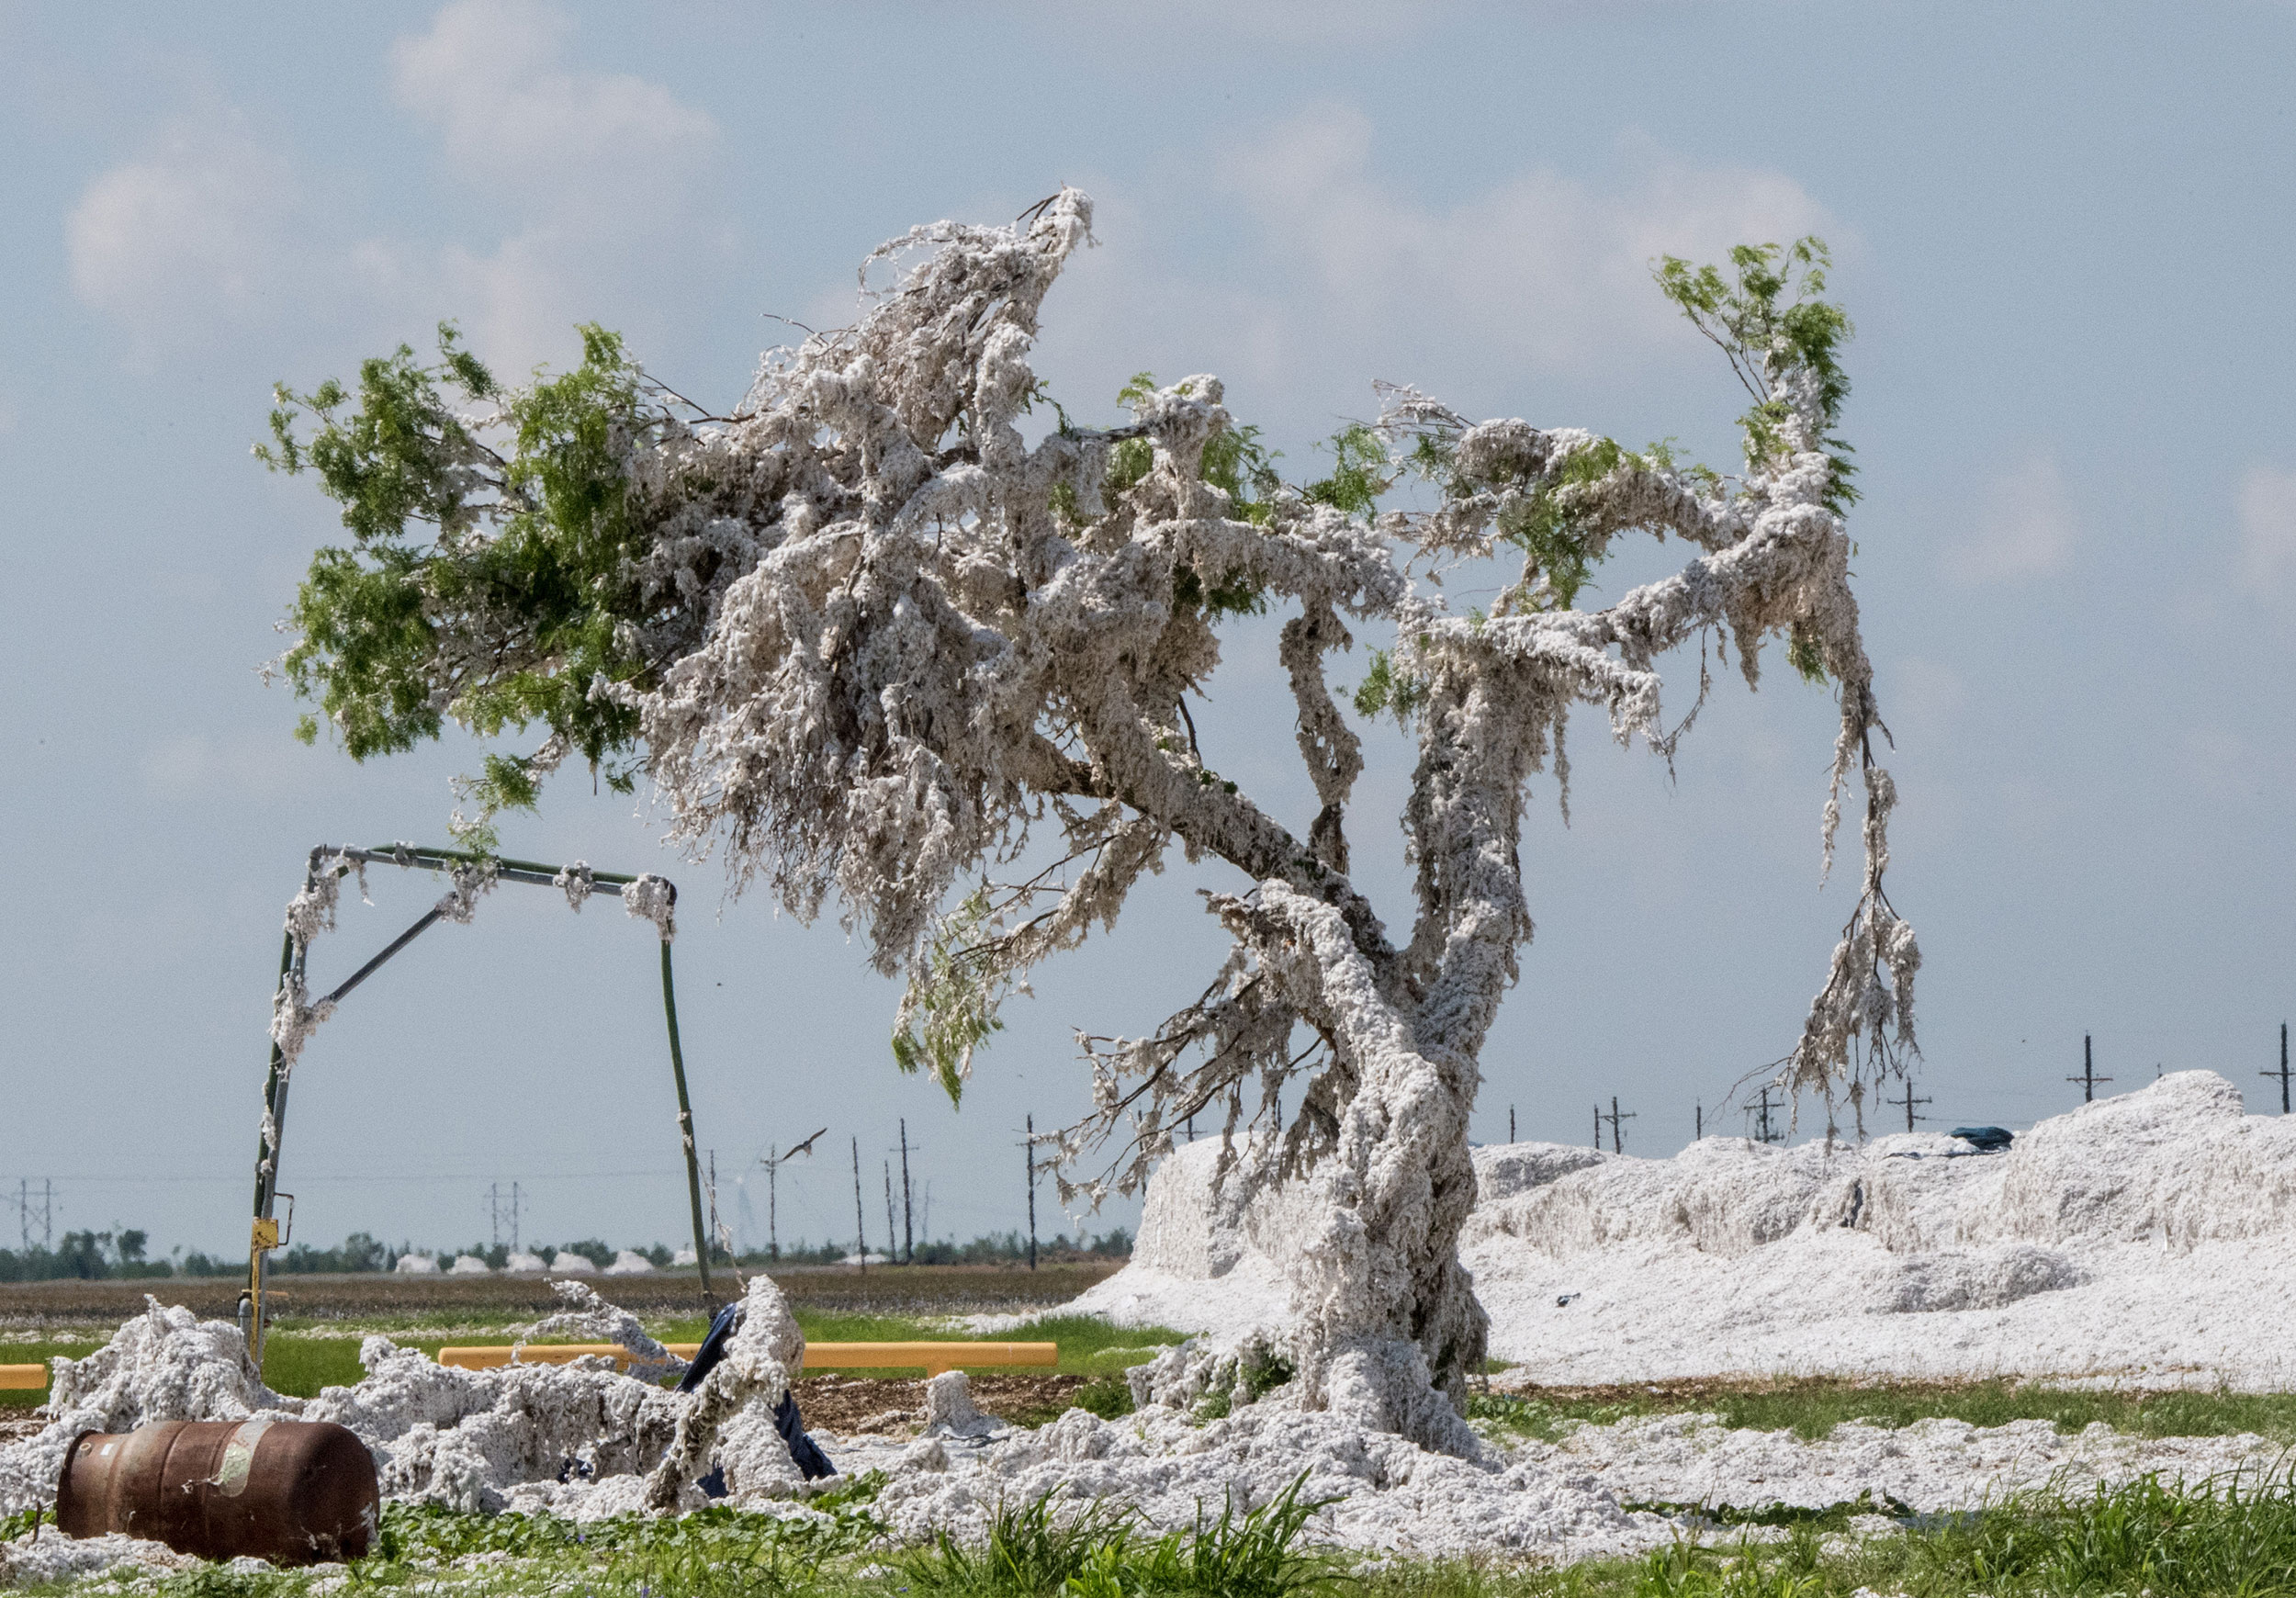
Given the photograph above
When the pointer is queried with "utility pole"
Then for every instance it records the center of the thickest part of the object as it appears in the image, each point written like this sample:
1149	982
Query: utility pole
1698	1120
860	1227
774	1164
772	1215
1765	1134
2283	1071
909	1216
1617	1143
2089	1079
715	1229
1510	1123
1031	1146
1909	1102
889	1227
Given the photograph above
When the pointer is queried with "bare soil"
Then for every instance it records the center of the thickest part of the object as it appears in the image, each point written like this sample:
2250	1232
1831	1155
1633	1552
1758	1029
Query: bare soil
885	1289
830	1403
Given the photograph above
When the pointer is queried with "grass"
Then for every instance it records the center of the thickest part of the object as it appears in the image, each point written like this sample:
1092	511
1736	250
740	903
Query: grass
301	1358
1812	1407
2225	1537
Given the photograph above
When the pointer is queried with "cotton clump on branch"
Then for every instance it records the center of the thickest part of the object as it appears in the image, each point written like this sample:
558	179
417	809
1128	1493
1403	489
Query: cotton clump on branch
866	637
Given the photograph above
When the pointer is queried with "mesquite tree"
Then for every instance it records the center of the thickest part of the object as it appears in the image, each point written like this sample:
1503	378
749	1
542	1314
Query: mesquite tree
876	645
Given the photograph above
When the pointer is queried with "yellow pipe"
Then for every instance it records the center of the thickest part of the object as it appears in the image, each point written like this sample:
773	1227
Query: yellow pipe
935	1357
32	1377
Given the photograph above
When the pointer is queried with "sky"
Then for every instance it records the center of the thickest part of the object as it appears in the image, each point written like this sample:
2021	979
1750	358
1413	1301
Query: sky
2065	233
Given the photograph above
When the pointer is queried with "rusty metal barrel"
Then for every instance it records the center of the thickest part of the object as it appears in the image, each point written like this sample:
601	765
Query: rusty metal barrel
294	1492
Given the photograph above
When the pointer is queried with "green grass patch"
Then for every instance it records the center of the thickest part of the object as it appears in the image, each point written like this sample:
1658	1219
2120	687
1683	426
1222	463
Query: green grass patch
1812	1408
301	1362
2234	1537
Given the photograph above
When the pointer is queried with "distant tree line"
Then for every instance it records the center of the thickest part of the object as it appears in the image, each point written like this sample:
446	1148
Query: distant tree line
85	1255
120	1255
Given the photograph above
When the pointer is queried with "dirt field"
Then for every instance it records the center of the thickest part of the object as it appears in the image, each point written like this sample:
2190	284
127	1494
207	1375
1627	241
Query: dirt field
885	1290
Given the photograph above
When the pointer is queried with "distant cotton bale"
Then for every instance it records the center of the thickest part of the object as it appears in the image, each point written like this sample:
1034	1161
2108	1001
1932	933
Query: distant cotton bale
469	1265
417	1265
572	1264
630	1263
527	1263
684	1256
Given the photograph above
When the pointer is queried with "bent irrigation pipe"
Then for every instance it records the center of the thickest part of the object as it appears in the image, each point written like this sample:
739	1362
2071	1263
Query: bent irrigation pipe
265	1234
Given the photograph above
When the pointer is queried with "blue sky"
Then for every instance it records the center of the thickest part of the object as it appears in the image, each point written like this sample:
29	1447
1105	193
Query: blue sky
2064	232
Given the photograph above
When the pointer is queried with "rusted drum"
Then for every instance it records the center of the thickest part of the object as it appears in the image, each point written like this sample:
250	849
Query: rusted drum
294	1492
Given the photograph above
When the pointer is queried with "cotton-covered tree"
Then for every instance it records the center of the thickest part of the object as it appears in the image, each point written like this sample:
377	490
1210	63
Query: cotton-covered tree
876	645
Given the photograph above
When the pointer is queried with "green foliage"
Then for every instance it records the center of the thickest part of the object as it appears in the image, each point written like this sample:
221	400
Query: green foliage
1032	1548
1360	472
1110	1398
1771	345
1233	461
955	986
1546	526
718	1552
492	586
1811	1408
1385	689
1096	1550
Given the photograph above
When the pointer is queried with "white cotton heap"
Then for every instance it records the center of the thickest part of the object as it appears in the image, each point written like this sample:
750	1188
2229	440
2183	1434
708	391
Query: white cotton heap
1932	1467
2141	1239
1391	1494
581	1437
588	1317
652	898
162	1364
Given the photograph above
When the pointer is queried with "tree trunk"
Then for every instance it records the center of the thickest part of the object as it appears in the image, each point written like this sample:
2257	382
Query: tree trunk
1389	1326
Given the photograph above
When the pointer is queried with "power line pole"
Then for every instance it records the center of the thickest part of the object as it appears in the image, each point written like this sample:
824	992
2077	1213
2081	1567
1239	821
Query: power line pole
1765	1134
2283	1071
1698	1120
1909	1102
774	1164
2089	1079
860	1227
1031	1152
1510	1123
1617	1143
889	1227
772	1208
909	1216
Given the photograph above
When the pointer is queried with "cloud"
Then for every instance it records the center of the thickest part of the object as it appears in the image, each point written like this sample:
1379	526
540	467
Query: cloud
516	121
2268	530
1329	273
1543	264
596	178
193	237
2025	525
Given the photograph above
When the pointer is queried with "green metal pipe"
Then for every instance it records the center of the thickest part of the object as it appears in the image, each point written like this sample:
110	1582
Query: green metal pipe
685	1127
